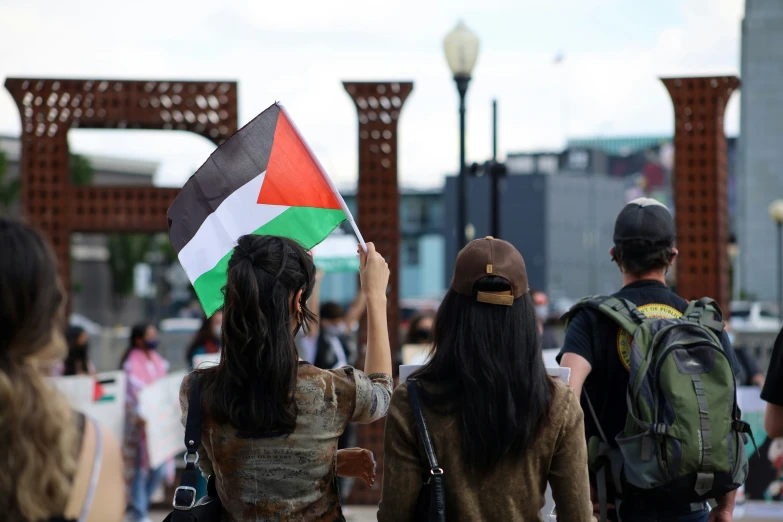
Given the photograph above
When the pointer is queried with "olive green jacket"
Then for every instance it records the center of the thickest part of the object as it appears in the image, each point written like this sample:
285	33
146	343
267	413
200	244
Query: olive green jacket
512	492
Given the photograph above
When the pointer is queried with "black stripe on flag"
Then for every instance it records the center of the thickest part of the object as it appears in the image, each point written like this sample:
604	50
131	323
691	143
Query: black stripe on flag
238	160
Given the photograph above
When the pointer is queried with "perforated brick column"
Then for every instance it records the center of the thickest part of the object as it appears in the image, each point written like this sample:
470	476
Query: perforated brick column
378	106
701	185
49	108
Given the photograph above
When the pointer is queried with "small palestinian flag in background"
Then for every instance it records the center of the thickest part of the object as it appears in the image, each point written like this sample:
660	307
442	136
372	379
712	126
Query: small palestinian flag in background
263	180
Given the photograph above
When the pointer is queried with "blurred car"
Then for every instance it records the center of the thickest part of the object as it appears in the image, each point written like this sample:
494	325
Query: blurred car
755	316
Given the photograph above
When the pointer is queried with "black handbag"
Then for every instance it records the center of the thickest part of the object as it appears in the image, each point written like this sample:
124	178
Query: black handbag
431	504
186	508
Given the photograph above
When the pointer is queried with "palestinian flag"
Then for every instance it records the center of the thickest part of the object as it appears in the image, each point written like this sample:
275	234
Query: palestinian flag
263	180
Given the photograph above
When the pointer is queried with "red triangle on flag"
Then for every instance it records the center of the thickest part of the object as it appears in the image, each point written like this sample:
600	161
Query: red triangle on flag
293	177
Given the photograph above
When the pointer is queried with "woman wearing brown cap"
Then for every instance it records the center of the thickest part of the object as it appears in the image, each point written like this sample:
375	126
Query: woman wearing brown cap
500	427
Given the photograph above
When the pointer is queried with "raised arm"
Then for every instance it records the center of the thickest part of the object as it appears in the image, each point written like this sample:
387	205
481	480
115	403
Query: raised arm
375	278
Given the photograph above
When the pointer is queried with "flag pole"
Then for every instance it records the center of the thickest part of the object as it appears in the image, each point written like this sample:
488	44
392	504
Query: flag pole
336	192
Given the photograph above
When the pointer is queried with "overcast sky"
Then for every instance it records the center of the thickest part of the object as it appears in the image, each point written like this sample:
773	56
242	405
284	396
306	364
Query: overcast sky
299	52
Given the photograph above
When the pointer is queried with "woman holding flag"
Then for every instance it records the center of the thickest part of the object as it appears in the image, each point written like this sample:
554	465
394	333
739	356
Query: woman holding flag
270	421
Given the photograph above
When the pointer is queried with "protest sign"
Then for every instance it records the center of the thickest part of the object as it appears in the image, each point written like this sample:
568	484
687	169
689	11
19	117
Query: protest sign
102	397
765	474
160	408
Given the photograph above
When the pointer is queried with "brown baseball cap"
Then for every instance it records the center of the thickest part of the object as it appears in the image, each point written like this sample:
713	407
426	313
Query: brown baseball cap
490	257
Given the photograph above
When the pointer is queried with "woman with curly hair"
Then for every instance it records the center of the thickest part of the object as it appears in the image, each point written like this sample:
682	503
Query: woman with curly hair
57	465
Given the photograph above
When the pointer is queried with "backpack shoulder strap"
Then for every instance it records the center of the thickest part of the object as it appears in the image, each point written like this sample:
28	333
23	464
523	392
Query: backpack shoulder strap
621	311
706	312
185	495
413	398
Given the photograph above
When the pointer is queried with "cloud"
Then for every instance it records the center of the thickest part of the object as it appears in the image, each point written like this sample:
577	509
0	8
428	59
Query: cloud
300	52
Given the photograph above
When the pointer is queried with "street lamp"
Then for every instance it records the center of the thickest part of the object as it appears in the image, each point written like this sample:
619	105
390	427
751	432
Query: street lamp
776	213
461	48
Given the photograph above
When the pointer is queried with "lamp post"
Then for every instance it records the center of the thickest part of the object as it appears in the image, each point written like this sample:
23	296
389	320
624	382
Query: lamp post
776	213
461	49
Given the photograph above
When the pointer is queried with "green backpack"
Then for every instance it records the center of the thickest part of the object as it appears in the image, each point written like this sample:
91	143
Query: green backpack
684	438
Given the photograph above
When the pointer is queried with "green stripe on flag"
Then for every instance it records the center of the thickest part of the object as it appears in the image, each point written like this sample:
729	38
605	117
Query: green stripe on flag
306	225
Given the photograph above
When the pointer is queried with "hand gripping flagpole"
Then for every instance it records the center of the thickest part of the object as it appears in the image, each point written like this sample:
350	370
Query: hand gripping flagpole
336	192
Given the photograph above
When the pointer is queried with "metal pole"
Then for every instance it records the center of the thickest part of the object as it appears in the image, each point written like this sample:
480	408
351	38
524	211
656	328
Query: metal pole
494	130
462	87
494	181
780	269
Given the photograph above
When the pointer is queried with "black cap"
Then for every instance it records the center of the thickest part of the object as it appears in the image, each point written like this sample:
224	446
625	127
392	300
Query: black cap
645	221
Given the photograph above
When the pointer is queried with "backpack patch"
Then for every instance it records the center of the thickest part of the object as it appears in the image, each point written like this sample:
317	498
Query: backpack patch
652	311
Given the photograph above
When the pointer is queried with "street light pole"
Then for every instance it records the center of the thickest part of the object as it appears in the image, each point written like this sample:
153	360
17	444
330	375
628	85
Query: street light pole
462	199
461	49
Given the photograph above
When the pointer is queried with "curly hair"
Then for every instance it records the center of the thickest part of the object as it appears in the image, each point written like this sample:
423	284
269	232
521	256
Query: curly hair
38	429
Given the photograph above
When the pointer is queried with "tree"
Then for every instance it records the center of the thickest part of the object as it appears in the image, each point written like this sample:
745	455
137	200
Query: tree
82	172
9	189
125	252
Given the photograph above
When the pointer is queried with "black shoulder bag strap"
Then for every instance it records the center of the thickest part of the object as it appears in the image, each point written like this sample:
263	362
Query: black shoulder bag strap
433	480
185	494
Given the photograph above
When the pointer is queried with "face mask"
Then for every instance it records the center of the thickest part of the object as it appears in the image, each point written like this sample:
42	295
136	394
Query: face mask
334	329
151	345
542	311
216	331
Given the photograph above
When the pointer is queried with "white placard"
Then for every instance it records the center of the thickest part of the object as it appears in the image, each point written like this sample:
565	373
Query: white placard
206	359
108	409
160	408
78	389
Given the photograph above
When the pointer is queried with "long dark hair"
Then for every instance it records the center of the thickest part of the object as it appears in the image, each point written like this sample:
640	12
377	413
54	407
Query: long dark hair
77	359
138	331
487	367
252	387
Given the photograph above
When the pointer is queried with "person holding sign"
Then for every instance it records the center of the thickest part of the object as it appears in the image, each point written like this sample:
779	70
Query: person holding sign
501	428
57	465
143	365
270	421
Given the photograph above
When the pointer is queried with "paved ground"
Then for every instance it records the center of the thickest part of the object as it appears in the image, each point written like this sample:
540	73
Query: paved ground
760	511
352	514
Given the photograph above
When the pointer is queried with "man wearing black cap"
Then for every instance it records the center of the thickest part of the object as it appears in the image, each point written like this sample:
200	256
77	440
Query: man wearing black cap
598	352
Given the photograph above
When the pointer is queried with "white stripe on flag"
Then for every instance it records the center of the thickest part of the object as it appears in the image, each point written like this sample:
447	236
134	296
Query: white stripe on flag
237	215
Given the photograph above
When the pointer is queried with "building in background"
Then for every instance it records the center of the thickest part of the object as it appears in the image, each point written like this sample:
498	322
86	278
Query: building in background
421	252
562	224
760	150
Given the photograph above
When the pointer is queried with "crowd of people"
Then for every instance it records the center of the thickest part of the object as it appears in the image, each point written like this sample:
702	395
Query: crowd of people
277	412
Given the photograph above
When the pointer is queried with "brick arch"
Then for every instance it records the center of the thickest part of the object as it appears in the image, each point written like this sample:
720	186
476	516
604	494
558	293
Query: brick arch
49	108
701	185
378	106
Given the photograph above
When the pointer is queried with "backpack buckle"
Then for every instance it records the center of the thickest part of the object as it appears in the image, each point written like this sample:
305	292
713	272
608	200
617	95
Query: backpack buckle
661	429
186	502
